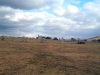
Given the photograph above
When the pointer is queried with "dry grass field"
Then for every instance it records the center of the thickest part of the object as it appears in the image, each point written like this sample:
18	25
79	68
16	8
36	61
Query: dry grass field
50	58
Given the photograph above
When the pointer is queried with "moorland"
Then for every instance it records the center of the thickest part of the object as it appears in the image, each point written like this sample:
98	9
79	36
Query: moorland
50	58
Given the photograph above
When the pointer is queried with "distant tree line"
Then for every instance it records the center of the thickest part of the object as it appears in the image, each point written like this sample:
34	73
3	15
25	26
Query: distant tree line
98	40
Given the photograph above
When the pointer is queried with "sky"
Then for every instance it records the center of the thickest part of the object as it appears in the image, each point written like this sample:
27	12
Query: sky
53	18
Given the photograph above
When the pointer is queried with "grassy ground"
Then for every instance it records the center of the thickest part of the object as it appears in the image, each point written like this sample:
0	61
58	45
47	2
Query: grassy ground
50	58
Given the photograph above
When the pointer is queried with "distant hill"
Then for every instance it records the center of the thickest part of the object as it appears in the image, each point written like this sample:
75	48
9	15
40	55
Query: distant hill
93	38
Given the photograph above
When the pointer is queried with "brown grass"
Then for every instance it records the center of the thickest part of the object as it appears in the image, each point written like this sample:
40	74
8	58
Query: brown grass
50	58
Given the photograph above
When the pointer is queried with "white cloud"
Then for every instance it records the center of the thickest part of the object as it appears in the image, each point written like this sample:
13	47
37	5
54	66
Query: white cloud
93	8
59	11
54	18
72	9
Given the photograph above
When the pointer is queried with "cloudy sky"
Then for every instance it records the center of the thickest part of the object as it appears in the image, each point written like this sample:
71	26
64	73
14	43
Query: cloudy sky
54	18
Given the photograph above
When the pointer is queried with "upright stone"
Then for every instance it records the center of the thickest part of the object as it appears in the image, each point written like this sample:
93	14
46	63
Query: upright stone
43	40
39	37
78	39
62	40
2	38
59	38
24	39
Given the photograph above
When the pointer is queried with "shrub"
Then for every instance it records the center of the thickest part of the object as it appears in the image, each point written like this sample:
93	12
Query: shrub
55	38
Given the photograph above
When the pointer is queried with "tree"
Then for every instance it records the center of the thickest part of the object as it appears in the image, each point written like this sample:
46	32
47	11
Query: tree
98	40
55	38
48	38
73	39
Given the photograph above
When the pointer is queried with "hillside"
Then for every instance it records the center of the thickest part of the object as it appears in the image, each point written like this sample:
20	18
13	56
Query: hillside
93	38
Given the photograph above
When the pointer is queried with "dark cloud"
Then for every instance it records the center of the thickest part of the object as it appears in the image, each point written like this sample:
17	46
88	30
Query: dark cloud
27	4
23	4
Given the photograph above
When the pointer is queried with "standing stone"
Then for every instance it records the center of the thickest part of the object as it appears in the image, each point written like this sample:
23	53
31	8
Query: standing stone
78	39
24	39
2	38
59	38
43	40
62	40
39	37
